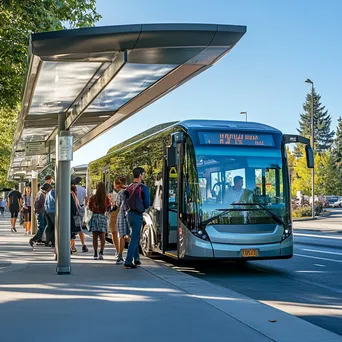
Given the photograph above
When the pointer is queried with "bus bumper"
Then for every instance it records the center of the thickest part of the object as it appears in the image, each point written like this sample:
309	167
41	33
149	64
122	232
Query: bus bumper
282	250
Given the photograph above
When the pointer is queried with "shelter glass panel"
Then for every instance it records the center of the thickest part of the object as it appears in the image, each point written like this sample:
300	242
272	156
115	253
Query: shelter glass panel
128	83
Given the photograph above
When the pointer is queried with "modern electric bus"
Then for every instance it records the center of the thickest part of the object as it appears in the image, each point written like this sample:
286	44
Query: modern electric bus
219	189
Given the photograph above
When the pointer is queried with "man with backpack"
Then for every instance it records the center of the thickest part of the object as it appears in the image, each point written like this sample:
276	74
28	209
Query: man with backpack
138	200
39	209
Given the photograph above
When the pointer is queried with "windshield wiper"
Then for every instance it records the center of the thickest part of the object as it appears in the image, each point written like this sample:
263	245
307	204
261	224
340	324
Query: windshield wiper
225	211
276	218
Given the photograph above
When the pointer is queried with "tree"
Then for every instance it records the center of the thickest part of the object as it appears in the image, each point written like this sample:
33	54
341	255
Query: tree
20	18
337	151
323	136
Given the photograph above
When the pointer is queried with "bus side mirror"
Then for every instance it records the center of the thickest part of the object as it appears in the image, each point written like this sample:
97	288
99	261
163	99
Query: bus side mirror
172	156
310	161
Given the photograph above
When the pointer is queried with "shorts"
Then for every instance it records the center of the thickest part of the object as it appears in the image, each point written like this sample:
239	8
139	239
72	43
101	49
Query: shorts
27	214
14	214
113	225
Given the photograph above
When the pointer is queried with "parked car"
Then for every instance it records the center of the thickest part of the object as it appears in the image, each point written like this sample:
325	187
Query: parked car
331	200
338	203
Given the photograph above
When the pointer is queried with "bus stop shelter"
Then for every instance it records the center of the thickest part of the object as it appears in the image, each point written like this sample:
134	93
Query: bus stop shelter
81	83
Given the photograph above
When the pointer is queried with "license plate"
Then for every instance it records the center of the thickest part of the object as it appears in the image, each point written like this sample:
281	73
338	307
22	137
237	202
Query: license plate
249	253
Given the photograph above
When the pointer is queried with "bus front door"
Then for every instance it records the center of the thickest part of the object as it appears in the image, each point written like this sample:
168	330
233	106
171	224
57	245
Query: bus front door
170	210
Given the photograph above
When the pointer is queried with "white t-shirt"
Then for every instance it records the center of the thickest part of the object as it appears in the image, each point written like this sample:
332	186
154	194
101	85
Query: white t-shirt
81	194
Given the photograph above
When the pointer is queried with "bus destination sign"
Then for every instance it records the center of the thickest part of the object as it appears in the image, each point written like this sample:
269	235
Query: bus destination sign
235	138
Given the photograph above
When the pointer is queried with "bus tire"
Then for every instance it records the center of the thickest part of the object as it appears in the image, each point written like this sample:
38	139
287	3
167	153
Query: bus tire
145	241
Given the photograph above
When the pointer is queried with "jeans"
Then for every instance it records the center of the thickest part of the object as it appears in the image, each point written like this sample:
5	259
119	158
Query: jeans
50	230
41	226
135	220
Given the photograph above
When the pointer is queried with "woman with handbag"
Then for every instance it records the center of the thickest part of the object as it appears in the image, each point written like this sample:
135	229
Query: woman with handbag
99	205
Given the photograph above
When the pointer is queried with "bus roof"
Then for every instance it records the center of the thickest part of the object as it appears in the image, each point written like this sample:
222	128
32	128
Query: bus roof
229	125
194	124
92	79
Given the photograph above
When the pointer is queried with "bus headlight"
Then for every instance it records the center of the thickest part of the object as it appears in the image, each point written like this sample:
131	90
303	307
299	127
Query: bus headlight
287	231
200	233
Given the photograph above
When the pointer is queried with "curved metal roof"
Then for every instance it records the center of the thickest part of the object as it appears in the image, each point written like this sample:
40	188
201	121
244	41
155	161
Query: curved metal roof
99	76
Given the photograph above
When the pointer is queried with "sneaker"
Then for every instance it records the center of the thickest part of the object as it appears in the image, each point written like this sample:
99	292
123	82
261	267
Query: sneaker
31	242
73	249
137	263
85	249
101	256
119	260
129	266
95	256
14	229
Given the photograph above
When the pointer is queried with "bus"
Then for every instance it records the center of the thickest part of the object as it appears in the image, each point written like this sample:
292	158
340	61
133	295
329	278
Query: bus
219	189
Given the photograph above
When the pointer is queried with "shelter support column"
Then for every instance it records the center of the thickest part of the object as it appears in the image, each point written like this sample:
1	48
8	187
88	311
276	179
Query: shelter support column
63	196
34	190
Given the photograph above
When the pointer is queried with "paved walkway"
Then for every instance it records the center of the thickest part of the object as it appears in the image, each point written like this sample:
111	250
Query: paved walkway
102	301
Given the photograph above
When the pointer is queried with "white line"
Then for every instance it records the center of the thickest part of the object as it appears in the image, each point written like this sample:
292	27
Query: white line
312	257
319	265
318	251
319	236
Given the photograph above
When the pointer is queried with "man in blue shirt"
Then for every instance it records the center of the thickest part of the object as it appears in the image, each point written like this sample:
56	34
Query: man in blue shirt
138	201
50	210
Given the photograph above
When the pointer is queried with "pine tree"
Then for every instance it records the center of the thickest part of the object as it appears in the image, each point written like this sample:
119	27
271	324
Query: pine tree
337	151
323	136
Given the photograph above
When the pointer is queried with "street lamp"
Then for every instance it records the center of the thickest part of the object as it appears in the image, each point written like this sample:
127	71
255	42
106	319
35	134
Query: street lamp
313	146
244	113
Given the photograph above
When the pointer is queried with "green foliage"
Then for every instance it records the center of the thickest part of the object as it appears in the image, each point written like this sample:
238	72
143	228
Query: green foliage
323	136
19	19
337	151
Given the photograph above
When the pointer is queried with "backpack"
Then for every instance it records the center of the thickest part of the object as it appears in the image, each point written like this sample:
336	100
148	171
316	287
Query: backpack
134	197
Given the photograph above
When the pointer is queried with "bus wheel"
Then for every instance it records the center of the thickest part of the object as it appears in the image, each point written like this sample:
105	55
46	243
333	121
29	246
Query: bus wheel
145	242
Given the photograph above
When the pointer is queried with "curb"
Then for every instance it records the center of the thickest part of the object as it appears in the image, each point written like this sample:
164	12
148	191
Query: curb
268	321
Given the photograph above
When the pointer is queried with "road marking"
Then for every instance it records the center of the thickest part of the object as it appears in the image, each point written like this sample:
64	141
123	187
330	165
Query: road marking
319	251
319	265
312	257
319	236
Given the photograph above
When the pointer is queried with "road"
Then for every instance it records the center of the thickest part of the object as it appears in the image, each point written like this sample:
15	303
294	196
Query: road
307	286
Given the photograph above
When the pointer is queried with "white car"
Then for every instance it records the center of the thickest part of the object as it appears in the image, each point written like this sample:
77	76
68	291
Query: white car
338	204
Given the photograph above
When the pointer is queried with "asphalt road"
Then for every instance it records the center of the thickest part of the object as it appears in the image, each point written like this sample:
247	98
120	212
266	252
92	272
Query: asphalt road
308	286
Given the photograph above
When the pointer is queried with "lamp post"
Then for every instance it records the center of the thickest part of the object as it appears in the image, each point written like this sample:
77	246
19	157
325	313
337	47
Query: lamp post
313	146
244	113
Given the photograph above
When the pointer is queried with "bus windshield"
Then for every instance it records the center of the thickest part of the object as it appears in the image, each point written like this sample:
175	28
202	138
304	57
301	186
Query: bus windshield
228	181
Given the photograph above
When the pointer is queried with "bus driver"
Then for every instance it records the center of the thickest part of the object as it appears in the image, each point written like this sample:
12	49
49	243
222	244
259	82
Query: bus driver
236	193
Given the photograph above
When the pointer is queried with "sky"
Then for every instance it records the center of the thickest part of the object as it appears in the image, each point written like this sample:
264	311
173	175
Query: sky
287	41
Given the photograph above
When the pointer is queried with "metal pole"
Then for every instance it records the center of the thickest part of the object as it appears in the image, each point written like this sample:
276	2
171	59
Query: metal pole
313	149
62	200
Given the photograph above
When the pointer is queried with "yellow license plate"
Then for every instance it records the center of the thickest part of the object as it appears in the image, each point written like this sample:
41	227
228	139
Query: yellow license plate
250	253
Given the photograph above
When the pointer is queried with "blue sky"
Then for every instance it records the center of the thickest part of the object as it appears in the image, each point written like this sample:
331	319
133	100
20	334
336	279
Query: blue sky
286	43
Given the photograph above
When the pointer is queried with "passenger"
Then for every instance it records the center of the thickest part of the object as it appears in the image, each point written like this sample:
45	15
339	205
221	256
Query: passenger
78	221
2	207
39	209
14	204
50	215
138	201
82	200
27	203
122	219
99	204
113	226
49	179
75	227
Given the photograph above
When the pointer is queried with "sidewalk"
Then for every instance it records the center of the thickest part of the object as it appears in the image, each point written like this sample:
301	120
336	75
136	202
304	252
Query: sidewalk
103	301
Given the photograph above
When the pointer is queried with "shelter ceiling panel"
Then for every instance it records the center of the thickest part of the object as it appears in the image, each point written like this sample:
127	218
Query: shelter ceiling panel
59	84
133	79
36	133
